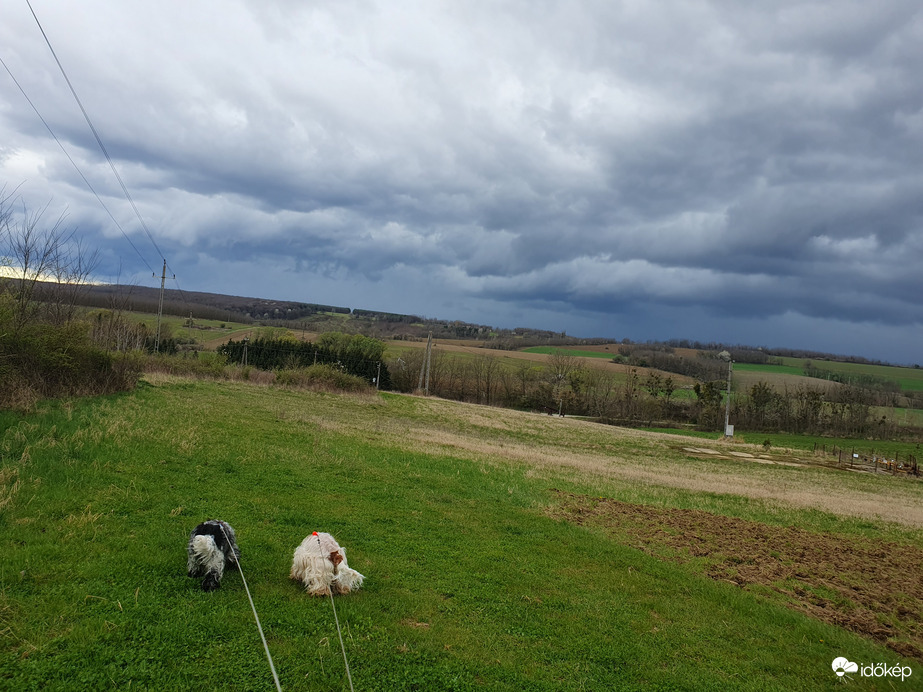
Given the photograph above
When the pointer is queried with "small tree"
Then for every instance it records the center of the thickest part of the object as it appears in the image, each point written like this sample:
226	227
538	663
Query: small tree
45	349
565	377
48	265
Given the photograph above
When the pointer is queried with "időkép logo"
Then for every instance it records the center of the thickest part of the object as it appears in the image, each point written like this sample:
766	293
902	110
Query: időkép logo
842	666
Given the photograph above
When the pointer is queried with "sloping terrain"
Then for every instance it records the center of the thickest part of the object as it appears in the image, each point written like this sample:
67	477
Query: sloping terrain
874	588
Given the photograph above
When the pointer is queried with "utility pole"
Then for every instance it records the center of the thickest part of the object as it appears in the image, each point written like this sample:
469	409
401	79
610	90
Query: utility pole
378	377
728	430
422	372
163	278
429	359
424	368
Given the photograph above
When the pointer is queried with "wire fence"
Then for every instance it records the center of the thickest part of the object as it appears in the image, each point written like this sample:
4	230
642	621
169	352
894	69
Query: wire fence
870	461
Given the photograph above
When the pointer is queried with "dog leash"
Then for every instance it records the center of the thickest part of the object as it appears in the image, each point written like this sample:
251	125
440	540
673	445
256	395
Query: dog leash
253	607
337	620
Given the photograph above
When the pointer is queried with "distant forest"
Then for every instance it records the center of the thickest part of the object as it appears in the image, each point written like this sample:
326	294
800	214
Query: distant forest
388	325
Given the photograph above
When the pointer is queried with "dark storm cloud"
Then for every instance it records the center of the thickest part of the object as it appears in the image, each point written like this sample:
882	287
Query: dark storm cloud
576	163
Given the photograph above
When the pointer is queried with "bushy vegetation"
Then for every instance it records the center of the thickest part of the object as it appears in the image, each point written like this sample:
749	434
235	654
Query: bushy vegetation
322	376
844	411
215	366
47	347
353	354
42	360
195	364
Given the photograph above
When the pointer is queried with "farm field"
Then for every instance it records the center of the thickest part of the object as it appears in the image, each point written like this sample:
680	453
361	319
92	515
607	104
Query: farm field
540	356
744	379
804	445
773	369
548	350
502	550
910	379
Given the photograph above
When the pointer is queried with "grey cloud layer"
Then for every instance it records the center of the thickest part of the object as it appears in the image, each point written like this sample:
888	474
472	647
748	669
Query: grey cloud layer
746	160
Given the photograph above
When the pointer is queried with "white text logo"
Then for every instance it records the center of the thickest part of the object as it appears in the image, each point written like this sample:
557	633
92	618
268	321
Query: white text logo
841	666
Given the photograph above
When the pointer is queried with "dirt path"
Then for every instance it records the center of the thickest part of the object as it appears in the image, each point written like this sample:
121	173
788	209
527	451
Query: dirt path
873	588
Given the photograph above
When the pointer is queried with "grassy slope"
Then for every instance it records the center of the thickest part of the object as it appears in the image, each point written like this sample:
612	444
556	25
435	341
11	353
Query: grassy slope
470	583
550	350
910	379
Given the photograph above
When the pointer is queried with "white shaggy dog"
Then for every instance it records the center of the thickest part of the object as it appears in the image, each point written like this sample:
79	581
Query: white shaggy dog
212	546
320	564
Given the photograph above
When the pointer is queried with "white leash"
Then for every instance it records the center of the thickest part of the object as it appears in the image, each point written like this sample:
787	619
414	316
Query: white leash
255	616
337	620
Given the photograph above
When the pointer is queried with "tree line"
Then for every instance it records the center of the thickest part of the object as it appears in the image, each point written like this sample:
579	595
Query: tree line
648	398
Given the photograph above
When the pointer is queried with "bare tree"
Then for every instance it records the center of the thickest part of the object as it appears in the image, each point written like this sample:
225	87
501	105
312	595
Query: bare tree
485	369
564	372
630	391
562	364
47	264
599	393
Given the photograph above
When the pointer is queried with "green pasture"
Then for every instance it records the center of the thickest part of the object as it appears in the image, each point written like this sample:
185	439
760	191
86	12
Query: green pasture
471	585
466	356
807	443
201	331
910	379
550	350
904	416
771	369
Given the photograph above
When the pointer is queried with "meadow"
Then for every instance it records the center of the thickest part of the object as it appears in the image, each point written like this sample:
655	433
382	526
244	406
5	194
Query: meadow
487	538
549	350
909	379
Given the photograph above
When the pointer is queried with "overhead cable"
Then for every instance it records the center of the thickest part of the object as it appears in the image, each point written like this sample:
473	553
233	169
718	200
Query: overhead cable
99	141
74	164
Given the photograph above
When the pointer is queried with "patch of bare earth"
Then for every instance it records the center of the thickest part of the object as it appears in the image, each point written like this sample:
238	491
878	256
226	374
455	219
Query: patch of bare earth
873	588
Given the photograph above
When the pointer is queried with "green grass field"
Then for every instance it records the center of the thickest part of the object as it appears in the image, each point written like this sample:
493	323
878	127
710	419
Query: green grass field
809	443
910	379
471	581
549	350
772	369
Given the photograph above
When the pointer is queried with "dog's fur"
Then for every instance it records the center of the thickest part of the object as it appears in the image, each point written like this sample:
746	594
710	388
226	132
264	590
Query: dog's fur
320	564
212	547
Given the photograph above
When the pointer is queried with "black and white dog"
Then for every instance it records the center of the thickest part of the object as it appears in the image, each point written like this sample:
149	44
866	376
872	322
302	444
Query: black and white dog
212	546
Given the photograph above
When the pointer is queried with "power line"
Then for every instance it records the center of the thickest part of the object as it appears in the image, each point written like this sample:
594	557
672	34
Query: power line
99	141
74	164
105	152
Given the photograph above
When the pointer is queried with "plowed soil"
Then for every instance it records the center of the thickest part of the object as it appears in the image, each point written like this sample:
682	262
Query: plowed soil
870	587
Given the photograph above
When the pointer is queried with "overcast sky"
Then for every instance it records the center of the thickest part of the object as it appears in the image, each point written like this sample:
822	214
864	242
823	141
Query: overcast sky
722	171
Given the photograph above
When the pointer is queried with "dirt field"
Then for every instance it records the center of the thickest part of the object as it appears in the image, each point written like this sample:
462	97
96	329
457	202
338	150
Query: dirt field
873	588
